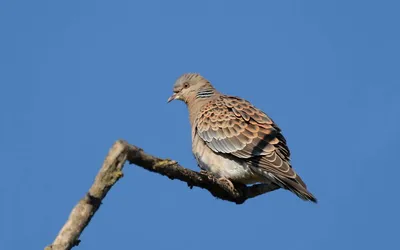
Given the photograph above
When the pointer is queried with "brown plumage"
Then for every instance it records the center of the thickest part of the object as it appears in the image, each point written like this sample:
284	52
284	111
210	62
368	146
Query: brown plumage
235	140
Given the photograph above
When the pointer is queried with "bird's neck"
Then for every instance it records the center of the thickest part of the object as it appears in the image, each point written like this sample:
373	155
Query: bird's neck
197	101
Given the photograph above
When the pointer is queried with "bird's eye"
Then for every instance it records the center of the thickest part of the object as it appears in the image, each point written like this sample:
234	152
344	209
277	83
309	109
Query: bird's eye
186	85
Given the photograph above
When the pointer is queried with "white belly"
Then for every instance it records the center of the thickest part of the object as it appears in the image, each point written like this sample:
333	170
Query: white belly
222	165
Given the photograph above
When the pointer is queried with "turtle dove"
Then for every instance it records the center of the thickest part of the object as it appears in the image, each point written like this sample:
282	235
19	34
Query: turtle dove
234	140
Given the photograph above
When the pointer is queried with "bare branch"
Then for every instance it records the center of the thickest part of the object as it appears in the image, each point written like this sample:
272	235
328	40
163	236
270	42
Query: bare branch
111	172
173	170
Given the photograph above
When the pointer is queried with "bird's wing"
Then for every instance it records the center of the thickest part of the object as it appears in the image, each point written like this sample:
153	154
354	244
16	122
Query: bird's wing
231	125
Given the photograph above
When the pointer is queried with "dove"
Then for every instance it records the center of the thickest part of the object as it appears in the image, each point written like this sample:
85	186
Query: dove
235	141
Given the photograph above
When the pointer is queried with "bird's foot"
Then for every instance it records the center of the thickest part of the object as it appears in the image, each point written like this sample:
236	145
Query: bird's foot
227	182
204	172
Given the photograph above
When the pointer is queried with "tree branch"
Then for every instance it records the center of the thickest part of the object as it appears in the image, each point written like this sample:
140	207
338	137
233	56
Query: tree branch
111	172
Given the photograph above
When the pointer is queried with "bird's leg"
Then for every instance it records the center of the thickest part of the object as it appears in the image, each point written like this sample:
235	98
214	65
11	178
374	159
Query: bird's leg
227	182
221	179
202	171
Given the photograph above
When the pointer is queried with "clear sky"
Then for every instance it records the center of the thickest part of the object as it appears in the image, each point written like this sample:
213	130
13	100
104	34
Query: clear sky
77	75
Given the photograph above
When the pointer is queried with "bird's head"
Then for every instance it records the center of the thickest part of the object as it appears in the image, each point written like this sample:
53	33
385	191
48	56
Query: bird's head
188	87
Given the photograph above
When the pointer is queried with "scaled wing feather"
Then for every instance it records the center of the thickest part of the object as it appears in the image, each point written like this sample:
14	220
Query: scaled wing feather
231	125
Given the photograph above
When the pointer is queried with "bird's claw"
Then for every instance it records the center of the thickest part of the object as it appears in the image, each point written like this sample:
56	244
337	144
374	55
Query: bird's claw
203	172
227	182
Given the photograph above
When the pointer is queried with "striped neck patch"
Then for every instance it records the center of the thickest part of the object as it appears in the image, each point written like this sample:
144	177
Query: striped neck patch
204	93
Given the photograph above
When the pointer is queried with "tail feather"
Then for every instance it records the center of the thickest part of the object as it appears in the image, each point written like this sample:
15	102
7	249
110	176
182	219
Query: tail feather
296	188
295	185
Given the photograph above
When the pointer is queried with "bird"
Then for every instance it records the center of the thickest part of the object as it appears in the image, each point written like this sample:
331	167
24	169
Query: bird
234	140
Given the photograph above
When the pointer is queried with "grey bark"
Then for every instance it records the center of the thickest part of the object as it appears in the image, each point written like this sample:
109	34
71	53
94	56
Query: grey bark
111	172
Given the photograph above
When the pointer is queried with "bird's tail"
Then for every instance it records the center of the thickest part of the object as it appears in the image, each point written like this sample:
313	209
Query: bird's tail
291	182
296	186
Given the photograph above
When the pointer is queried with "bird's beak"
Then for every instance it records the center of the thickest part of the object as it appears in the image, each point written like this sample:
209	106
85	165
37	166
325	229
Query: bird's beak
173	97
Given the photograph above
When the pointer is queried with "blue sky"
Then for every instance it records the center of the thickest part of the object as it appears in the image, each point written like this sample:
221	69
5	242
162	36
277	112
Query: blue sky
77	75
